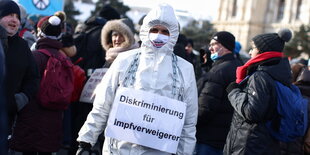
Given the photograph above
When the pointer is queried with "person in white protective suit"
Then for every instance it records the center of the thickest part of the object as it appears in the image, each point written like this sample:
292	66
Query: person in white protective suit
147	101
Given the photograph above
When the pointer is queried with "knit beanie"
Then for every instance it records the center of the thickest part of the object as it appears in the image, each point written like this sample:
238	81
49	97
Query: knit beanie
9	7
42	20
62	15
272	41
109	13
51	27
226	39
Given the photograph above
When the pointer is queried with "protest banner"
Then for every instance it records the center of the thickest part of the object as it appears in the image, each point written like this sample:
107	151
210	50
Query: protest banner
88	92
146	119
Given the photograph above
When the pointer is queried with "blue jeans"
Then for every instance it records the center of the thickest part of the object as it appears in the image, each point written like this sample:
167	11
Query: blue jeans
204	149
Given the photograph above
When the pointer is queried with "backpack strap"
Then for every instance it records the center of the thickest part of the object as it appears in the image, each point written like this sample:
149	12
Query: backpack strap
57	56
273	117
45	51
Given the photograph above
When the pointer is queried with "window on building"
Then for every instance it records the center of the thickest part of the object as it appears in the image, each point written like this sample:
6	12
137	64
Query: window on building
299	2
280	10
234	9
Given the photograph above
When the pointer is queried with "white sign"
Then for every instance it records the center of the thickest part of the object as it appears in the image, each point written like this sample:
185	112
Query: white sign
146	119
88	92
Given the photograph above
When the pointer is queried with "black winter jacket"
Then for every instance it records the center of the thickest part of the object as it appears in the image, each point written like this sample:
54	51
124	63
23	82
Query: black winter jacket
254	104
88	45
21	73
215	111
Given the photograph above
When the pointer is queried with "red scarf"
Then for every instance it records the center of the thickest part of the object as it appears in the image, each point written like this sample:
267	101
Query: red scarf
242	70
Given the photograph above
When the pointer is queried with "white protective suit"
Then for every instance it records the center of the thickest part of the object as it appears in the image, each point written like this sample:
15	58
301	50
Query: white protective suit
154	74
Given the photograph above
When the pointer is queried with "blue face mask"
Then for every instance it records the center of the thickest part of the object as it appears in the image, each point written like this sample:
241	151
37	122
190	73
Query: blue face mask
215	55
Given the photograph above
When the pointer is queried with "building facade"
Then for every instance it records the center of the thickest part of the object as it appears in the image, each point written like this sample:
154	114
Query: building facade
247	18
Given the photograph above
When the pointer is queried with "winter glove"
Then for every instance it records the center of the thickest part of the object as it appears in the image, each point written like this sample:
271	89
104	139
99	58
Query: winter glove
67	40
84	149
232	86
21	100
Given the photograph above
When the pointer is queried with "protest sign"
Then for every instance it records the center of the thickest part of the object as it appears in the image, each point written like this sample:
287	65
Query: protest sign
146	119
88	92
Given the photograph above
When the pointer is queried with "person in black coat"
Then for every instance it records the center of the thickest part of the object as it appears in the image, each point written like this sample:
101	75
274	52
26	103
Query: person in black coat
215	111
254	98
3	112
89	48
22	76
179	48
88	42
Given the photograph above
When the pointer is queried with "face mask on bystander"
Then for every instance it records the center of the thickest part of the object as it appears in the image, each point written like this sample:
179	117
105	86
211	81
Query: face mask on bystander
215	55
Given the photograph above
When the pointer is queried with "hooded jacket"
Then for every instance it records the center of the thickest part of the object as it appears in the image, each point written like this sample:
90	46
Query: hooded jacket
154	74
88	45
255	104
106	41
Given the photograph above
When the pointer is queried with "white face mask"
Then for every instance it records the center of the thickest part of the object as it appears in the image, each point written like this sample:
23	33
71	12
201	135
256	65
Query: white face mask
158	40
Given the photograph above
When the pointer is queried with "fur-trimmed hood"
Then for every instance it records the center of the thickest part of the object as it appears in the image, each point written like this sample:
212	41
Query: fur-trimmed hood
119	26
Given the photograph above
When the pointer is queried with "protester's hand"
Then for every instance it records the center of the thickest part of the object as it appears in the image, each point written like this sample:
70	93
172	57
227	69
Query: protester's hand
84	149
232	86
21	100
67	40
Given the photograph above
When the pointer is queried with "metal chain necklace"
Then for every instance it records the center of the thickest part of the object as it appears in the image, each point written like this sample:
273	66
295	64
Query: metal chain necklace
132	69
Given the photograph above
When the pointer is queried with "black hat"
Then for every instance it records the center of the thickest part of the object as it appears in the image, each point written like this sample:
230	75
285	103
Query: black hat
109	13
191	42
226	39
52	26
272	41
9	7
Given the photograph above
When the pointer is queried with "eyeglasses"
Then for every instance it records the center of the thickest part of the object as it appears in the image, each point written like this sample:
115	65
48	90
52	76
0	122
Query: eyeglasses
253	47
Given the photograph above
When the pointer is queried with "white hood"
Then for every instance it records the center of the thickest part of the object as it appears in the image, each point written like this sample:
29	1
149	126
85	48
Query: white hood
163	15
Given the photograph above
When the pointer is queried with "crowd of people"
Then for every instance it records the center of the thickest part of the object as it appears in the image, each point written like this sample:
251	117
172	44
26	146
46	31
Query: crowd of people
157	95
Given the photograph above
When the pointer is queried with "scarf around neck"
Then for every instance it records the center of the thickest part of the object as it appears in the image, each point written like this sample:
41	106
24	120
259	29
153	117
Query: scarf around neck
242	70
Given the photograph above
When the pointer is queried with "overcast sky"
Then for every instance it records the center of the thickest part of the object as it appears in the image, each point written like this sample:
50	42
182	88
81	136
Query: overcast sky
200	9
204	9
